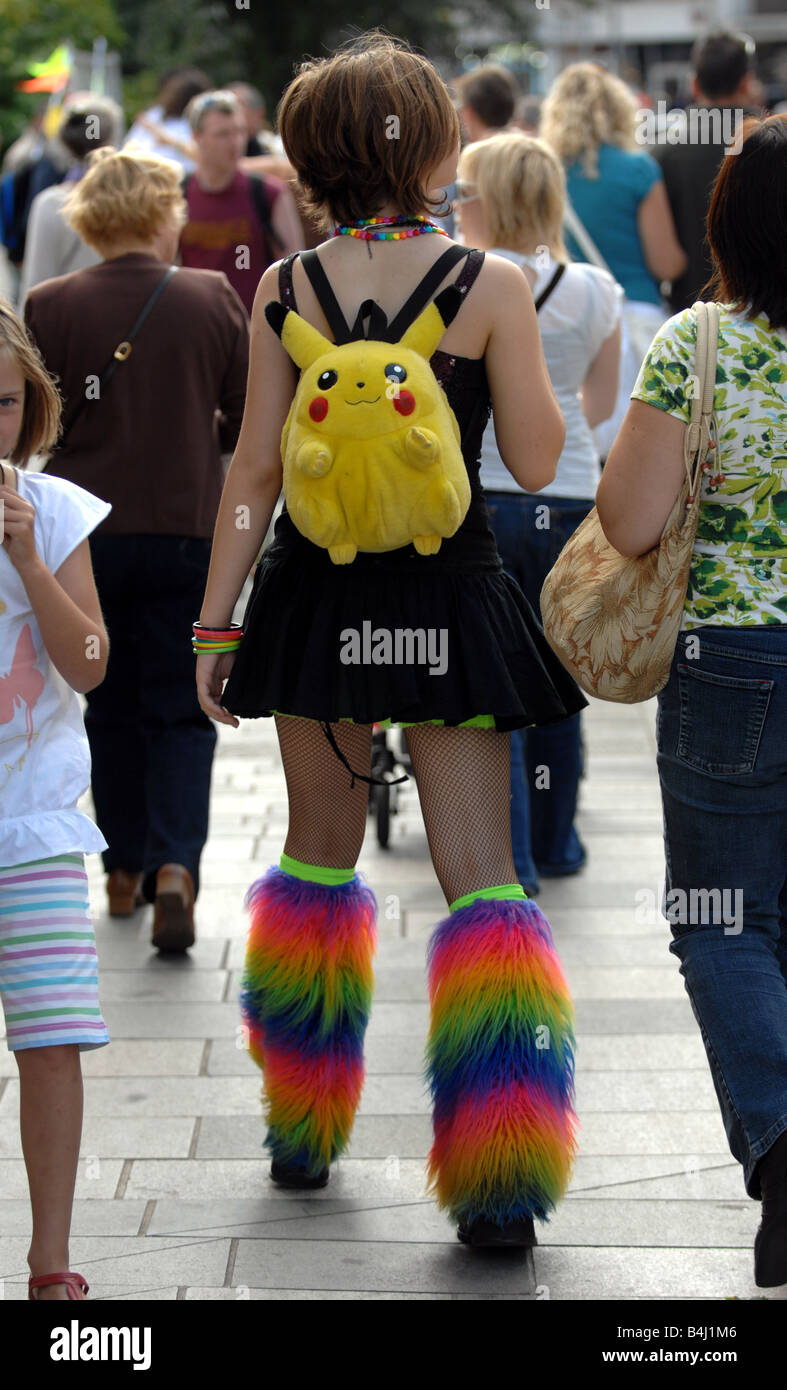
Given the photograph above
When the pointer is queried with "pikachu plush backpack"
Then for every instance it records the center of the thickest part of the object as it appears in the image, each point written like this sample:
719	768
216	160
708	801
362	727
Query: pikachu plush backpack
370	448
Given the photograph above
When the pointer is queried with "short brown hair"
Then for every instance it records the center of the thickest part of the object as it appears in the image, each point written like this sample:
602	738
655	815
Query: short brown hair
367	126
491	92
124	197
42	404
746	221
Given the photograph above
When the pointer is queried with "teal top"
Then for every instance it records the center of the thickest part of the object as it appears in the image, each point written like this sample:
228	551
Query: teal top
607	207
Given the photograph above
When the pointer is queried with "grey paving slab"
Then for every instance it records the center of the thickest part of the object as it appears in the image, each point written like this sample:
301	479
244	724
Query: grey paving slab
131	1262
374	1136
388	1265
141	1057
652	1222
652	1133
97	1179
132	951
149	984
116	1137
96	1218
671	1052
617	1016
628	983
211	1180
692	1178
173	1096
623	1273
645	1090
145	1019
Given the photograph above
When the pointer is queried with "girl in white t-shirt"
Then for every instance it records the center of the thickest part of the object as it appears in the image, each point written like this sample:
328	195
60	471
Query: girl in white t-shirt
53	644
510	201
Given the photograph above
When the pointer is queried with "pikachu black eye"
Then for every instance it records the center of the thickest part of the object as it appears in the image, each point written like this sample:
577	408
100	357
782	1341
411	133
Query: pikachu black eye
327	379
395	372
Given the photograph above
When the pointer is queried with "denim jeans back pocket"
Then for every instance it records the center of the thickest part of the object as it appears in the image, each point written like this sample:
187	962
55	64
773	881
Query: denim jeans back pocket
721	721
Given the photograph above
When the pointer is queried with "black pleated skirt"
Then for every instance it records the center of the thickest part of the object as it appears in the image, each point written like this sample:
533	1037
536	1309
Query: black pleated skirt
398	636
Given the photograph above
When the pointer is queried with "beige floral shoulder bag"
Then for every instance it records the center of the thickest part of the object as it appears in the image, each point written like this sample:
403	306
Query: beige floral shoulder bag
614	620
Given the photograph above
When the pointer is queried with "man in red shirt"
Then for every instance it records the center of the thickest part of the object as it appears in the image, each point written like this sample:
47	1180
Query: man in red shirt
239	223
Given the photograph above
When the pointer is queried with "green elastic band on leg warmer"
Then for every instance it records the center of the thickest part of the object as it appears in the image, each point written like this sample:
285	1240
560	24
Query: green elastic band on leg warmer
315	873
503	890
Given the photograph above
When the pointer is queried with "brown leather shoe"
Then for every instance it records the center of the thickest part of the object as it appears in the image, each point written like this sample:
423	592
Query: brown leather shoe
173	912
124	891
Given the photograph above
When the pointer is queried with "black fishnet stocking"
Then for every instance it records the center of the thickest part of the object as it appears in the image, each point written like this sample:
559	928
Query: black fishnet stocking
327	818
464	786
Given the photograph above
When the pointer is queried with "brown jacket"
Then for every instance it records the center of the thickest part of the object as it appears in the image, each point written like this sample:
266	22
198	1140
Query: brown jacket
151	444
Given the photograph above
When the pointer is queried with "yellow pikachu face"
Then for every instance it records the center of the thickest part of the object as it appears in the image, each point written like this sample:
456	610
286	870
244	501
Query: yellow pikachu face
365	390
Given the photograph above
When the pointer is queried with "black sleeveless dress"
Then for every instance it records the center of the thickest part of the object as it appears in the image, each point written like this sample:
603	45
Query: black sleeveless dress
496	659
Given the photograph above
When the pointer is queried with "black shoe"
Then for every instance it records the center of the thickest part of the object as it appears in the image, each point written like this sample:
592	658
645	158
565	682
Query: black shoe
770	1242
292	1175
481	1232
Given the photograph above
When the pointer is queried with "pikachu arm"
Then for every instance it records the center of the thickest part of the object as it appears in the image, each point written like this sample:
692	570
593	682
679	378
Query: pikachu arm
421	446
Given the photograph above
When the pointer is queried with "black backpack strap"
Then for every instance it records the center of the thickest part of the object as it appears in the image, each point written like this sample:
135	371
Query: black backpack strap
259	198
553	284
424	290
326	298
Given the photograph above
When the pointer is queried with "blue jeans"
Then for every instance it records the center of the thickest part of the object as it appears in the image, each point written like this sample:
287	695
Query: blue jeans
722	760
151	744
545	843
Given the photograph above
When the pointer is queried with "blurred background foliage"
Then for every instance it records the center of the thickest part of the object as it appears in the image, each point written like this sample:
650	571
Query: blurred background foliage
259	41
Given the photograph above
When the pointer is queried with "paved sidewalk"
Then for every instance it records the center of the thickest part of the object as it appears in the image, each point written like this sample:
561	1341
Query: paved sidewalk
174	1199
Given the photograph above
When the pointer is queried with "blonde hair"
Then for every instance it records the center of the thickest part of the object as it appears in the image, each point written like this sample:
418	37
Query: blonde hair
522	186
124	197
587	107
42	403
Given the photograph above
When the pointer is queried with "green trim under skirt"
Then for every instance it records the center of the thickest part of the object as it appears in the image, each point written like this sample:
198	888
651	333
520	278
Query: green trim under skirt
478	721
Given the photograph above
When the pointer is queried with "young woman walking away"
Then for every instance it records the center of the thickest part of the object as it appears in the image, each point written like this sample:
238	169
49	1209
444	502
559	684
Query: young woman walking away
53	644
722	752
500	1048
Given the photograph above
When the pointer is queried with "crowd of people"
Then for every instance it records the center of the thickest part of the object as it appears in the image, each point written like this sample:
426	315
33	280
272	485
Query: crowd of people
444	348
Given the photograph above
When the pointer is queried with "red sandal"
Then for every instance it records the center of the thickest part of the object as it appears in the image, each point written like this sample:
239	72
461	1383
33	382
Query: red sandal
73	1282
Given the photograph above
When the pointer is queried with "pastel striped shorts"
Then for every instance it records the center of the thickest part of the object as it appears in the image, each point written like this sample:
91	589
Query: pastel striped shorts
48	962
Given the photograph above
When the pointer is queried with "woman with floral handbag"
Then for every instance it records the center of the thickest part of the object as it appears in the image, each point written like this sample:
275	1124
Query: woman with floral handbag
722	753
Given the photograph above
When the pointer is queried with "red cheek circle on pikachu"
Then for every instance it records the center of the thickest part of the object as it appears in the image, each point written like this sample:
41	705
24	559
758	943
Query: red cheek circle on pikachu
404	402
318	408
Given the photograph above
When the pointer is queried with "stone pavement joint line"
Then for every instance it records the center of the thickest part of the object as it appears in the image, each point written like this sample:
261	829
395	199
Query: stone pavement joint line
174	1201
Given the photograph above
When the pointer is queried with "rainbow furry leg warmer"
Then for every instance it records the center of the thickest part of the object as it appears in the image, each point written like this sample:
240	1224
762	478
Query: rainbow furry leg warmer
305	1000
500	1061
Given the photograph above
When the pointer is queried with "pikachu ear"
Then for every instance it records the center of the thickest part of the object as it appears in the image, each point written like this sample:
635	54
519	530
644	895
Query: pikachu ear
304	343
425	332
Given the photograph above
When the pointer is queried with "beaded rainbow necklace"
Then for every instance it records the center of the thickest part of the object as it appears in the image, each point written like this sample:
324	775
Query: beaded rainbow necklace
408	226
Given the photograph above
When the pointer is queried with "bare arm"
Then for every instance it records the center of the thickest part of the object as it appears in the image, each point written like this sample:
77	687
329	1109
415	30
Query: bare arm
65	604
642	478
529	426
251	489
600	387
286	223
276	164
664	255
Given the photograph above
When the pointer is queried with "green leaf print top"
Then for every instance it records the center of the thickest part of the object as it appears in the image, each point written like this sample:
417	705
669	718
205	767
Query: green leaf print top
739	568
